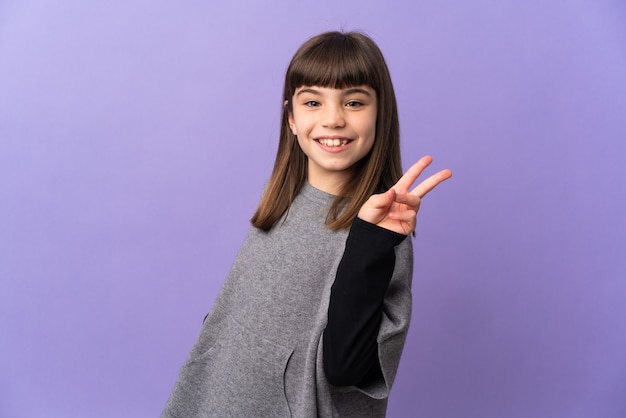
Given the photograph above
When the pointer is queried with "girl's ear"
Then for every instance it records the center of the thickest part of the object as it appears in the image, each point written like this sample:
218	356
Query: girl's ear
292	124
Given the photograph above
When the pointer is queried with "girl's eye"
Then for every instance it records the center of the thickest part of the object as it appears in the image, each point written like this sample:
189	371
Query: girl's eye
312	103
354	103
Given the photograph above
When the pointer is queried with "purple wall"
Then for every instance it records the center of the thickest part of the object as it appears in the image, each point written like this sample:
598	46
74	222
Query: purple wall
135	138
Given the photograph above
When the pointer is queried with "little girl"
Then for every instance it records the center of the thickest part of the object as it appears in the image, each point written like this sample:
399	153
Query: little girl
312	319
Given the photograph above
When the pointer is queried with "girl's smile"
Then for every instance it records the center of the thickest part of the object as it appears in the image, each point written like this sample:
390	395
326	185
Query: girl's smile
333	143
335	129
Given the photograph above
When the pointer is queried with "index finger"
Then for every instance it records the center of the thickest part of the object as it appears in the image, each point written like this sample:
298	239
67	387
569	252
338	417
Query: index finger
409	177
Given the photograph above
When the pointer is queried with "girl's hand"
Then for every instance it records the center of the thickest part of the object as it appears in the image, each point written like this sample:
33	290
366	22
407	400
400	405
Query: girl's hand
396	209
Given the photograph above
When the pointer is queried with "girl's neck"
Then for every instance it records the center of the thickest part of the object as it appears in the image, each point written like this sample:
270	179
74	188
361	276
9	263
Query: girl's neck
331	183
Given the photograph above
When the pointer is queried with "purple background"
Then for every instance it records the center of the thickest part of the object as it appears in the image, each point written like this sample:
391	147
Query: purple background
135	138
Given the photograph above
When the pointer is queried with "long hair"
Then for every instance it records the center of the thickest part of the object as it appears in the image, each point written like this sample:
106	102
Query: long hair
335	60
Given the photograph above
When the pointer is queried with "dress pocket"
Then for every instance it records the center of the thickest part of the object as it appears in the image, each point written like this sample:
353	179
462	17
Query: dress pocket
241	375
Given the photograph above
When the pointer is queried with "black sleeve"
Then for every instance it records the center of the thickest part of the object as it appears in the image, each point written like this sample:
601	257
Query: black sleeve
356	302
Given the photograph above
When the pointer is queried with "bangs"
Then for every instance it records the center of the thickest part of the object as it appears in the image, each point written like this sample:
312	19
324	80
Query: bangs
335	62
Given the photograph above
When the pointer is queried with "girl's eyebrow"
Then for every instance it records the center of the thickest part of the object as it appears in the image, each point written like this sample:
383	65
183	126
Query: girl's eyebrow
308	90
352	90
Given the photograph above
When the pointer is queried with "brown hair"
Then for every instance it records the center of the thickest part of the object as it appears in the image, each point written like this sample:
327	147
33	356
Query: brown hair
336	60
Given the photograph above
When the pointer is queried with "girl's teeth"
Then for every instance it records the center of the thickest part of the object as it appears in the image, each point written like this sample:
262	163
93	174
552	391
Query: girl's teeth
333	142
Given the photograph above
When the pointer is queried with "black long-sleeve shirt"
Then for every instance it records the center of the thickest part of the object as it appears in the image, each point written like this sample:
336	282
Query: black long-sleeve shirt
356	304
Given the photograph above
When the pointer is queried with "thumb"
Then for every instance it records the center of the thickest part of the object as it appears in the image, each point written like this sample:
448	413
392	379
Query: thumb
382	200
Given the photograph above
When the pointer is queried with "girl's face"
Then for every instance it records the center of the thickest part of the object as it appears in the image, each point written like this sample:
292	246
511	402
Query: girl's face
335	129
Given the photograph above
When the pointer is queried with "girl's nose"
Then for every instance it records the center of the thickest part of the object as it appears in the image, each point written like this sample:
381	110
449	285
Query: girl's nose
333	117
